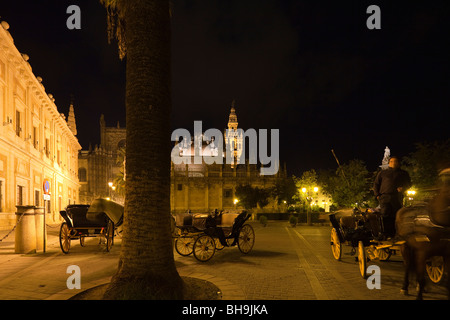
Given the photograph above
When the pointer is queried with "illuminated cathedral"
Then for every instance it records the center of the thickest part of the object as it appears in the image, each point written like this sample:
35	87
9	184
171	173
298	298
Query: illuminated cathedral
199	187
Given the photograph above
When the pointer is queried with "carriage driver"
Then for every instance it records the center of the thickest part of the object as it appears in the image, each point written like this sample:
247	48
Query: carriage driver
389	186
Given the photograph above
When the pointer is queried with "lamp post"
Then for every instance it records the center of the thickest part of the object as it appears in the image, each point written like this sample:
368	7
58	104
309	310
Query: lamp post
111	187
410	198
309	192
235	201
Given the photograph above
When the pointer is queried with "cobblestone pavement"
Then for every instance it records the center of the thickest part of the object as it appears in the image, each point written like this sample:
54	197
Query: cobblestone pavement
285	264
296	263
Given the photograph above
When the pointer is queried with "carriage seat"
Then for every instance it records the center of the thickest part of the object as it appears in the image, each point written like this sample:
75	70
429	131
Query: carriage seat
348	222
183	219
78	214
199	220
228	220
196	220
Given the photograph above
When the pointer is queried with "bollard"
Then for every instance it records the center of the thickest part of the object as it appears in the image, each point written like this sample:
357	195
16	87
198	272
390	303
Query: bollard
25	234
41	232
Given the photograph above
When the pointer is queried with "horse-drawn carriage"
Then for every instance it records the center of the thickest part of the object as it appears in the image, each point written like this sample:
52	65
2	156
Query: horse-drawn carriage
203	234
101	218
363	232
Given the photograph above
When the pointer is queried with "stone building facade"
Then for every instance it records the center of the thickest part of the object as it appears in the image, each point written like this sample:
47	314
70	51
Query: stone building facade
196	187
98	167
37	144
204	188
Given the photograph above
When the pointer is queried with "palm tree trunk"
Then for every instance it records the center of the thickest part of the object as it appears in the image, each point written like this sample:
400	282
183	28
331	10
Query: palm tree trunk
146	266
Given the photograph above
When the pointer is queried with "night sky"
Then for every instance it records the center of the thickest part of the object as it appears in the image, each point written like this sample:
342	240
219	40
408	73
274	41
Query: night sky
311	69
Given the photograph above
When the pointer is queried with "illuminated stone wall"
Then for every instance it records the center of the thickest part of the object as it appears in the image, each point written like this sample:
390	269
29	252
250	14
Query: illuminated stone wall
36	142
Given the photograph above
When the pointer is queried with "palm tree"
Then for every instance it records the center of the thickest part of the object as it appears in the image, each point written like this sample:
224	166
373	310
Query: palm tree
146	266
119	179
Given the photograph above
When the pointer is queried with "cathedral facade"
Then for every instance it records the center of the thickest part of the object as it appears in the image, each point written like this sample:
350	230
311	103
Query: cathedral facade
196	186
98	168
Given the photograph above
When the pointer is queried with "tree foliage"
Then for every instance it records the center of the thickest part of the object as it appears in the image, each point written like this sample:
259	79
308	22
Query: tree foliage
250	197
425	163
308	180
351	183
284	191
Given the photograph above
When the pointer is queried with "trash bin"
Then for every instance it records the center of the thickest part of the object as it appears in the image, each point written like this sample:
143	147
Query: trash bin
25	233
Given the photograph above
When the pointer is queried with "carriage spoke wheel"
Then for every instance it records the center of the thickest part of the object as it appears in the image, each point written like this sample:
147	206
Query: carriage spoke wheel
336	247
184	245
362	260
384	254
204	248
246	238
109	235
435	268
64	238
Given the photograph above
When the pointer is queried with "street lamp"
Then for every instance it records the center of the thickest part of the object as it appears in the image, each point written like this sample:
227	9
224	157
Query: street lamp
111	186
410	194
235	201
309	197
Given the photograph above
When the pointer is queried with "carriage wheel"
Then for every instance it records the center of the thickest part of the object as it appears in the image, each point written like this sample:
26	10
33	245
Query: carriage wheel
64	238
246	238
362	261
384	254
82	241
118	232
109	235
184	245
336	246
204	248
435	268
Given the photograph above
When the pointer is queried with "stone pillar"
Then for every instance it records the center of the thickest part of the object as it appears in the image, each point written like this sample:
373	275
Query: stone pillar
25	233
41	231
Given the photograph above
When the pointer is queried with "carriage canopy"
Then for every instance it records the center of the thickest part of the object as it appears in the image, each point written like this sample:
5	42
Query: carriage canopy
112	209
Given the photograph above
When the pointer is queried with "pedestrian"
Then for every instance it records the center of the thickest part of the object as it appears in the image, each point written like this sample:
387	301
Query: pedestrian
389	188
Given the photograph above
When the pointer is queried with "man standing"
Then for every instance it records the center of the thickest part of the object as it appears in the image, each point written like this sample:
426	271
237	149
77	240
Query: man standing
389	186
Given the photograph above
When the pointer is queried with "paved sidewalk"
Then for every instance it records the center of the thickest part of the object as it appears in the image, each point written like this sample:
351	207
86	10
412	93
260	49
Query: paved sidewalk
43	276
285	264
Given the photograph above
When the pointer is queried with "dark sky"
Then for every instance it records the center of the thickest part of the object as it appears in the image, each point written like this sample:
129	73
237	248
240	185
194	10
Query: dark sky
311	69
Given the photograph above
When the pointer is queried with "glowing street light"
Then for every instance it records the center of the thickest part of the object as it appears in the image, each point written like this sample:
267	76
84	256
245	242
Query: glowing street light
235	201
111	186
410	193
309	197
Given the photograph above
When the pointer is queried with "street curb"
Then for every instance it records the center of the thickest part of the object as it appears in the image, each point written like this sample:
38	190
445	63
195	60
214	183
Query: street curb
229	290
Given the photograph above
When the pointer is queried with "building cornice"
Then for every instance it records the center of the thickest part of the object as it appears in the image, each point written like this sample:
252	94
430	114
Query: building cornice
24	70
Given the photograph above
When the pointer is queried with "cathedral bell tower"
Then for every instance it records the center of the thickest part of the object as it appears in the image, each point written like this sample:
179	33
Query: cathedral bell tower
232	119
233	138
71	119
